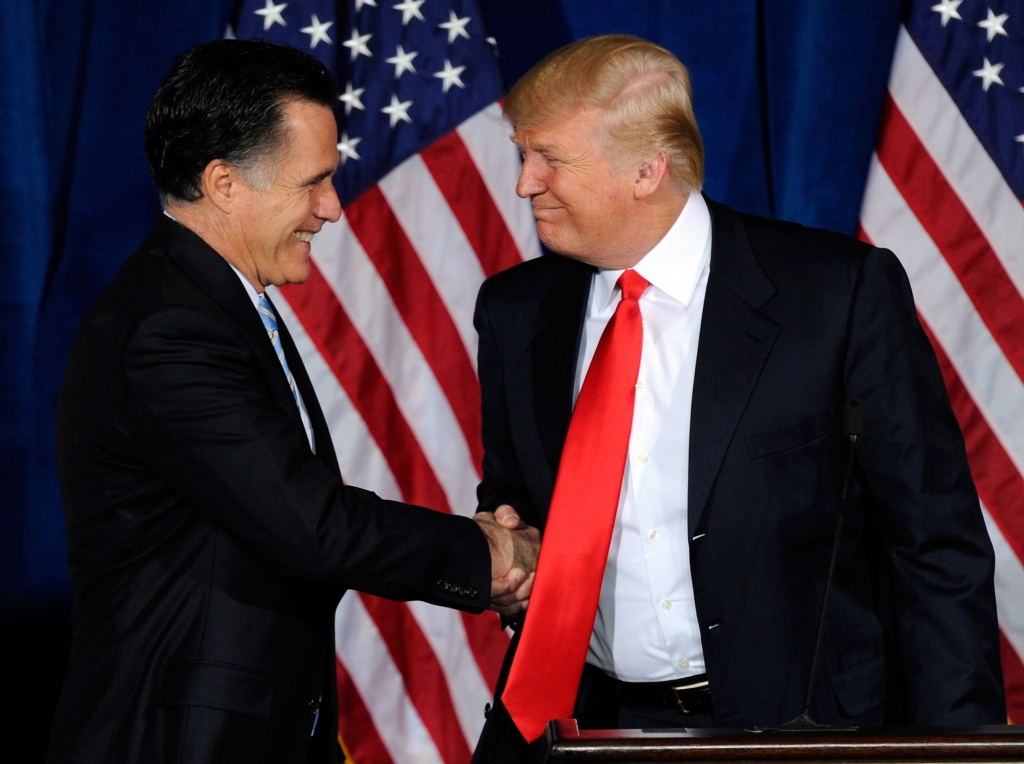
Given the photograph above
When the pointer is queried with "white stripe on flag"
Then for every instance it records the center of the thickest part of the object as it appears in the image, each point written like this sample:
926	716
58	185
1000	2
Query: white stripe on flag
484	134
361	648
988	377
970	171
438	239
469	692
1009	587
357	285
357	451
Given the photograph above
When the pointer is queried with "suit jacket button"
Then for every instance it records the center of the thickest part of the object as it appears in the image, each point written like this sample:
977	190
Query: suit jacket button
313	707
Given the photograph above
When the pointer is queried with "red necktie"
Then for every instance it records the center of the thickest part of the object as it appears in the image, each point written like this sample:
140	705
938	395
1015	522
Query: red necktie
545	673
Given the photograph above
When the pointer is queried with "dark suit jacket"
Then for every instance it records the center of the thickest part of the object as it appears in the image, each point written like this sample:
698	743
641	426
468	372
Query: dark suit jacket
208	545
795	321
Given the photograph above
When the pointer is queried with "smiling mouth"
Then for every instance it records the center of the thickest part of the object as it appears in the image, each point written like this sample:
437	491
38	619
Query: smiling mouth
306	236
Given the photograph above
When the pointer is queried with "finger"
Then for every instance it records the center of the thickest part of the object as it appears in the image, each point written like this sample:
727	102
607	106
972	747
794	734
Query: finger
484	517
508	583
519	594
507	516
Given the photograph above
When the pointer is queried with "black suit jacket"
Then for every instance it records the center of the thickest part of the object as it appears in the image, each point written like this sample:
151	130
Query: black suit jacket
795	321
208	545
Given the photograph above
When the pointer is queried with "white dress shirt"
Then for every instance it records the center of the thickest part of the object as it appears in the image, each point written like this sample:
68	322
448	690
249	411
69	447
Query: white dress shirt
646	628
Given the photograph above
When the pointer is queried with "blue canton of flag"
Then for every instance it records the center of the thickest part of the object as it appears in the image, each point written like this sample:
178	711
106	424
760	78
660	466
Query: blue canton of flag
408	72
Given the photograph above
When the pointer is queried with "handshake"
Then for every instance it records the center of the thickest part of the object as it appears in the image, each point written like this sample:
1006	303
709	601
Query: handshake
514	550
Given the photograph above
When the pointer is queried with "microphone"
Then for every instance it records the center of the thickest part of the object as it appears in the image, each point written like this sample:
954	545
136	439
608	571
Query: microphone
853	428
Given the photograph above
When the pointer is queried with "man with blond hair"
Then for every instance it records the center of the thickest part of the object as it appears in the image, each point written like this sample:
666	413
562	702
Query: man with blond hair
664	397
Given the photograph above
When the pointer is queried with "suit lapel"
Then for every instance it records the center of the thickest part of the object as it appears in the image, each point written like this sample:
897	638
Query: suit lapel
554	349
735	341
211	273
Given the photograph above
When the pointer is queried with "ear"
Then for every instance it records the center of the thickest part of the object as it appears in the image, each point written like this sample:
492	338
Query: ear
650	176
221	184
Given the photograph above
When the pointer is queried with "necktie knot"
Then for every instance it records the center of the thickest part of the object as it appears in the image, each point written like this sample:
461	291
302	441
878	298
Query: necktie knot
632	285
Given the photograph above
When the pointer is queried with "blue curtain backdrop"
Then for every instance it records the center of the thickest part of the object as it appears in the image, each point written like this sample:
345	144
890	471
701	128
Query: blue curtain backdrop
788	94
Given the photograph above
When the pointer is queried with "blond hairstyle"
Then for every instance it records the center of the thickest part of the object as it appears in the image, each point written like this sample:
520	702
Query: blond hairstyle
643	89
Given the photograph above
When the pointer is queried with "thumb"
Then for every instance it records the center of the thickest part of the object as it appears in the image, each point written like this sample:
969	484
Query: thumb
507	517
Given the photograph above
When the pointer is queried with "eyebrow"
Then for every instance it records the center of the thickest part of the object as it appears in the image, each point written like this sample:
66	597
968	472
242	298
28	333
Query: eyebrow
319	178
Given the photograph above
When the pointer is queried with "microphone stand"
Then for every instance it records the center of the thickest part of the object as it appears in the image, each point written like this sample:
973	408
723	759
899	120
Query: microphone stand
853	426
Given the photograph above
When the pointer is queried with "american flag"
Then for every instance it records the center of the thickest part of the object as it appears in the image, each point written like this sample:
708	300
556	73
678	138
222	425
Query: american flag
427	183
945	193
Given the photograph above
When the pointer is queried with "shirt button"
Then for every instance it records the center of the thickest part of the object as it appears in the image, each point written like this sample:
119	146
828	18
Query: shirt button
666	604
313	707
641	386
684	664
642	457
654	534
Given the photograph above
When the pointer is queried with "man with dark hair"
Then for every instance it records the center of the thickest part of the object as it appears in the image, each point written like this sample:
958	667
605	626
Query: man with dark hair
210	534
664	397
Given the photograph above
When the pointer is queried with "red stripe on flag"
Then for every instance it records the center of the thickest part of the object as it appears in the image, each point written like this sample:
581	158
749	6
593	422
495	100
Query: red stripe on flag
957	235
999	484
424	678
422	310
462	186
489	642
1013	678
341	347
356	731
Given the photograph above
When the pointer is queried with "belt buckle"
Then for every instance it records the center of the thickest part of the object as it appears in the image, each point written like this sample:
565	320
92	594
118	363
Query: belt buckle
683	688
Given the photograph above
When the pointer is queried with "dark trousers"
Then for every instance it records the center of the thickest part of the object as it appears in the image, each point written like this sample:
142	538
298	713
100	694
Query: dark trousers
598	706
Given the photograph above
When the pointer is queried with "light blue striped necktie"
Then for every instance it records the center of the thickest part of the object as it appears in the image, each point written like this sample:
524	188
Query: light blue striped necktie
270	323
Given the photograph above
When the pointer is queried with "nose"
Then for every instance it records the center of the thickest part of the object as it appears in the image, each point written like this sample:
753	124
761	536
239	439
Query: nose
531	177
328	205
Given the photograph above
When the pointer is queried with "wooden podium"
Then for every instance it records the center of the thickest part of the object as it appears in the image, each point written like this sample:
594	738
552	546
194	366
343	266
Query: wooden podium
566	743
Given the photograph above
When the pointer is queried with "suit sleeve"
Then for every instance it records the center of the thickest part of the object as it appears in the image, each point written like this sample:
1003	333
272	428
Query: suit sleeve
915	464
213	431
502	481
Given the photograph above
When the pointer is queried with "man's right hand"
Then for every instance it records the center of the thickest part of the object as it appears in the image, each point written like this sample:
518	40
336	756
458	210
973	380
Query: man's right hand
515	547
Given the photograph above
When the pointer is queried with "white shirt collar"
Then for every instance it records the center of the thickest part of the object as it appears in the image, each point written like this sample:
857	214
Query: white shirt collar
249	289
676	263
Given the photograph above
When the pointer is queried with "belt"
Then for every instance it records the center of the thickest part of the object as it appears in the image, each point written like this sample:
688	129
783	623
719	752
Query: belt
691	694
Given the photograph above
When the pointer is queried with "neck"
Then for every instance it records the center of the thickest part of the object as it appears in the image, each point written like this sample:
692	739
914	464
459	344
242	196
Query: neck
211	226
643	230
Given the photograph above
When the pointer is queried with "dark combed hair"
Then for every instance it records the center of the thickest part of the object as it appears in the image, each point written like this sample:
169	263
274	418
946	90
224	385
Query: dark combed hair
224	100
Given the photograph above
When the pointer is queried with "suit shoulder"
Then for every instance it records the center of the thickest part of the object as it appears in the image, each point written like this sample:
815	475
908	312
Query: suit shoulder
535	277
789	240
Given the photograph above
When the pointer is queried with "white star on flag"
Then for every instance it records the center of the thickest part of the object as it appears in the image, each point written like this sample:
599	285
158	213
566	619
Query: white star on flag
361	3
317	31
397	111
456	27
989	73
409	8
450	75
357	44
347	148
948	9
1020	138
351	99
402	62
272	14
992	25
